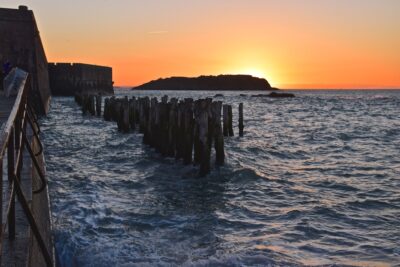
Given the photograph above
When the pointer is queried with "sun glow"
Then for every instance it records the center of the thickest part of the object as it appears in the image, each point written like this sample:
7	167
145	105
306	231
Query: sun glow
254	72
259	73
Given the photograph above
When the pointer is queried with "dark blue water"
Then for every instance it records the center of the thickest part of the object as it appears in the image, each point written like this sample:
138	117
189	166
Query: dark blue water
315	180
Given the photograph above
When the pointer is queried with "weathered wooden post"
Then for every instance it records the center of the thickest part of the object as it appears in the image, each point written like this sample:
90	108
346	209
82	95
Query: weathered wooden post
196	140
106	109
203	117
92	105
144	114
149	127
84	104
163	127
78	98
125	115
111	109
188	131
180	131
230	118
98	105
218	136
132	111
172	127
117	113
241	126
225	120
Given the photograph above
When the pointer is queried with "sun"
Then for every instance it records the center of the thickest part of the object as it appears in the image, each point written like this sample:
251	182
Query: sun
254	72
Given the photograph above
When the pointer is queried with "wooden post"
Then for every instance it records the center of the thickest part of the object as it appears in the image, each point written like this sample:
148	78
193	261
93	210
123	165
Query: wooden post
230	117
164	108
78	98
225	120
172	127
203	138
188	131
218	136
117	114
106	113
113	109
125	115
180	131
144	114
84	104
132	111
196	140
92	105
241	126
98	105
11	169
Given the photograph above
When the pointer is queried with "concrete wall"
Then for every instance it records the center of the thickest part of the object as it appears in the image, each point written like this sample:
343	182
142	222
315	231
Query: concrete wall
20	44
66	79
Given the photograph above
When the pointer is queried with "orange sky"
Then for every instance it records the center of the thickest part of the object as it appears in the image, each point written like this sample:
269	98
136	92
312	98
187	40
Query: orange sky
292	43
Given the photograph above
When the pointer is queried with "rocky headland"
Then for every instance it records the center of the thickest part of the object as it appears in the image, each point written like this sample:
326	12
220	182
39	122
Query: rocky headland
209	83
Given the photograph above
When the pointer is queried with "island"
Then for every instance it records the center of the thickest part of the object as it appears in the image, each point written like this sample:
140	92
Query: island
209	83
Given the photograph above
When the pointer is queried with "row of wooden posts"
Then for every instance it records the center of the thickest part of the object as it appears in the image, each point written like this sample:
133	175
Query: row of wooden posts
186	129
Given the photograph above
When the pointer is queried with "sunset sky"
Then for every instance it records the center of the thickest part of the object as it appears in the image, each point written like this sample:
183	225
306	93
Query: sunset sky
292	43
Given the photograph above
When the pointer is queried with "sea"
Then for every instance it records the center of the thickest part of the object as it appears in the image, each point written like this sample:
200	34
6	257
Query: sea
314	181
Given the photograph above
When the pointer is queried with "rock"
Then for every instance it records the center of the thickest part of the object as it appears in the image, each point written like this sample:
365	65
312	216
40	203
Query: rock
219	95
275	95
280	95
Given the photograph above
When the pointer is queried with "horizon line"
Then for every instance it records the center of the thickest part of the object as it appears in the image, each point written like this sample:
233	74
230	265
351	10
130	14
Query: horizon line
300	88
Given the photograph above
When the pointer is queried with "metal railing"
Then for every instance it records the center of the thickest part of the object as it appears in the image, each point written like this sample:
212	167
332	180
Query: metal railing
14	143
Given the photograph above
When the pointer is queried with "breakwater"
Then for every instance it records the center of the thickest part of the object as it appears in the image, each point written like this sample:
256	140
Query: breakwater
68	79
186	129
21	47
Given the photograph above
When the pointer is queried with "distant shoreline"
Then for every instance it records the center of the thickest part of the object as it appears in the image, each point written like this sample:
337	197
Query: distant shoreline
134	88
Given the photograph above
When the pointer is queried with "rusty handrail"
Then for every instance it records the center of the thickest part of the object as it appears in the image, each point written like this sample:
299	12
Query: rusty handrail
36	134
8	126
13	141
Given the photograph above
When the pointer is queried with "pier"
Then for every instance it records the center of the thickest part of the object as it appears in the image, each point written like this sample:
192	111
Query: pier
25	233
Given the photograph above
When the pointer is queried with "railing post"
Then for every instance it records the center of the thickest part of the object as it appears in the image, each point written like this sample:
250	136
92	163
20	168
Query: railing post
1	196
11	168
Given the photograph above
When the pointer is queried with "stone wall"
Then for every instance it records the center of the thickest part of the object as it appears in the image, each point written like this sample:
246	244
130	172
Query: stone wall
66	79
20	44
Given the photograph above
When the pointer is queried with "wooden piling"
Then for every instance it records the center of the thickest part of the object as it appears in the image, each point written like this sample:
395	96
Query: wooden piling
132	113
84	105
172	127
92	105
98	105
241	126
188	131
196	140
205	152
125	115
106	113
218	136
230	118
117	114
180	131
225	120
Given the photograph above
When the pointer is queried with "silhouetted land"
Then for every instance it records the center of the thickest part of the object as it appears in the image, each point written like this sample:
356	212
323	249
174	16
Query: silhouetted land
220	82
